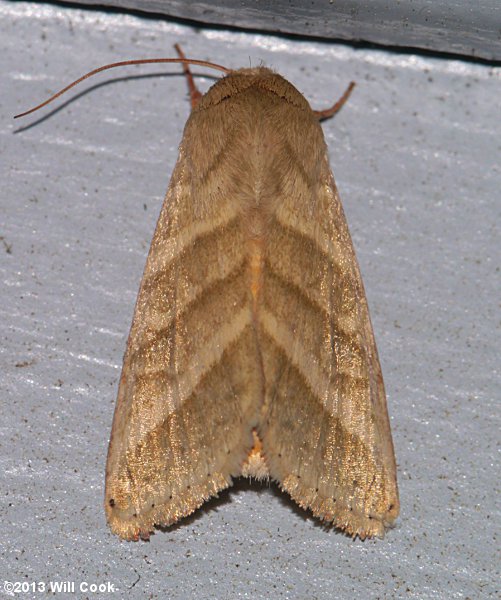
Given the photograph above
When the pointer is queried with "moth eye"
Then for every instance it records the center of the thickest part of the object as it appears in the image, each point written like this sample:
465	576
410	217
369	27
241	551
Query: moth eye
112	502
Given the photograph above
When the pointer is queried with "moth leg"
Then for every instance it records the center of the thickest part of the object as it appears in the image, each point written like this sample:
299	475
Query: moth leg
195	93
336	107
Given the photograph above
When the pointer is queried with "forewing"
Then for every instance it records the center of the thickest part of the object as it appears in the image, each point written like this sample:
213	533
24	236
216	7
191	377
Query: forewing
190	378
325	432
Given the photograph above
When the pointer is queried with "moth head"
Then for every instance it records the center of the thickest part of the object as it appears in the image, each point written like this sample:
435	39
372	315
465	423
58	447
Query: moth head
260	79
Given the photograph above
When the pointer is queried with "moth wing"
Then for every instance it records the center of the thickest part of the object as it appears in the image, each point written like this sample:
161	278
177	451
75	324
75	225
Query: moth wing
182	424
326	434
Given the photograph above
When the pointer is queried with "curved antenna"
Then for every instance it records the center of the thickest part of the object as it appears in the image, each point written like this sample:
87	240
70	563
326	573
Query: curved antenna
336	107
124	63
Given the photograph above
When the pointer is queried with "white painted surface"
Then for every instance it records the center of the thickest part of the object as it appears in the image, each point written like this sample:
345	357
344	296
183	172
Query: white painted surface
416	156
452	26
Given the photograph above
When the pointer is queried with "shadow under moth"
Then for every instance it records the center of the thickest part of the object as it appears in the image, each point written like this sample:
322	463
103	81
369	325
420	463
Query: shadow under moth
251	350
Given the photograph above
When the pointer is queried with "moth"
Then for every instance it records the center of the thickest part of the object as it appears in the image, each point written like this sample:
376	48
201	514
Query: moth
251	350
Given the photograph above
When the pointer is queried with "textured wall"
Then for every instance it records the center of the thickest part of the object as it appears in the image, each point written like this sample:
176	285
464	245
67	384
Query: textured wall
456	26
416	156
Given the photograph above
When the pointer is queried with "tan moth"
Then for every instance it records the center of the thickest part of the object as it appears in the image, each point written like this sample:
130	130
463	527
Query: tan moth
251	350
